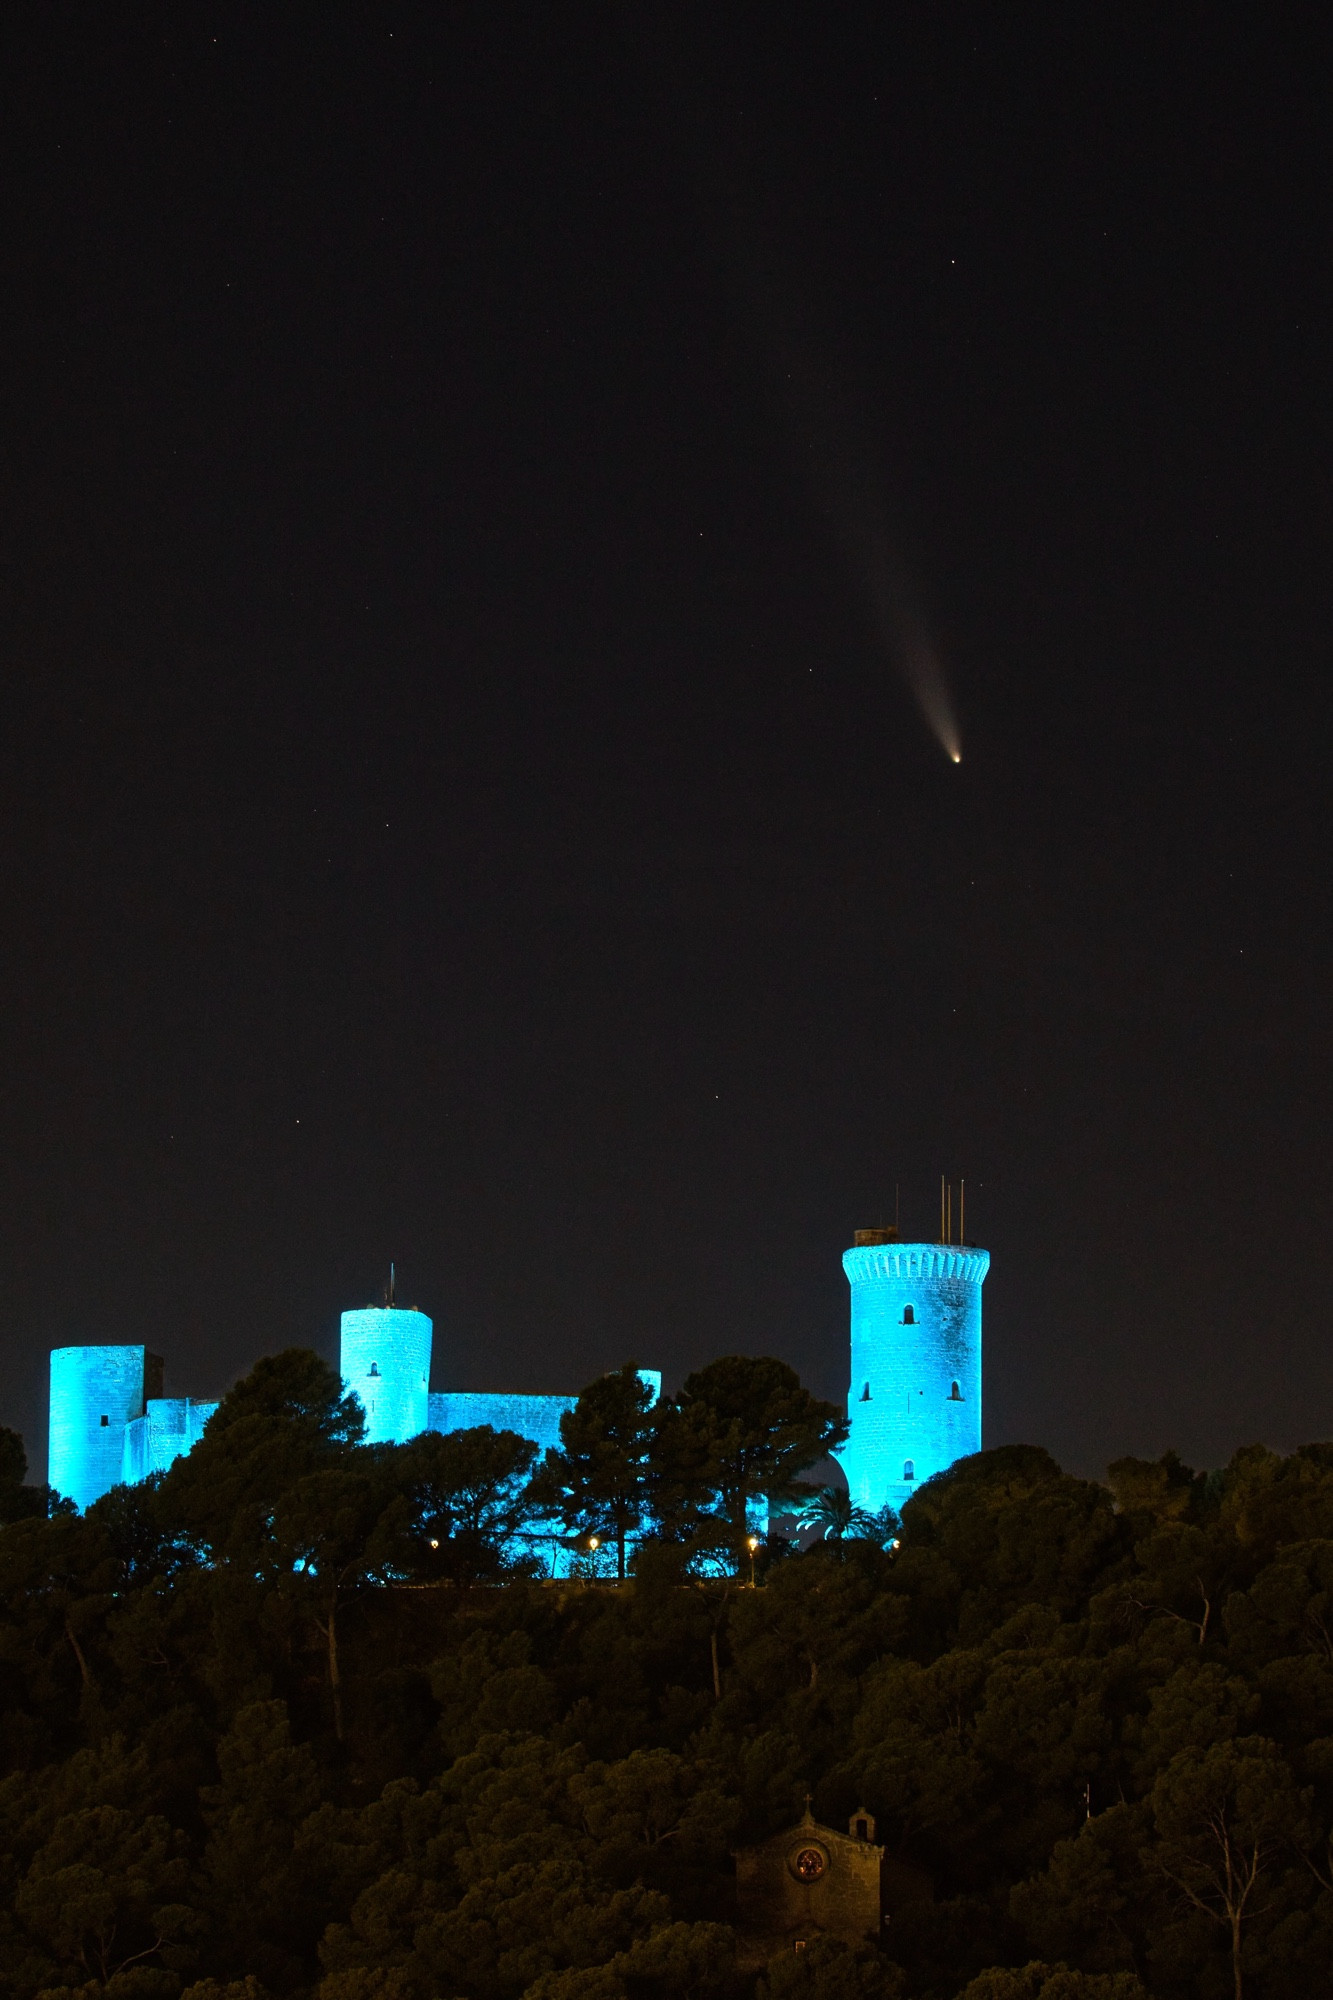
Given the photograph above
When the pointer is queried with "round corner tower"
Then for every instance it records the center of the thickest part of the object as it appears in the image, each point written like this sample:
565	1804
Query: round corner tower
914	1402
385	1362
95	1392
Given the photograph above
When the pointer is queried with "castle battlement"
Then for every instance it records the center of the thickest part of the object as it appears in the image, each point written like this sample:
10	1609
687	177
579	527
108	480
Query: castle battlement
903	1261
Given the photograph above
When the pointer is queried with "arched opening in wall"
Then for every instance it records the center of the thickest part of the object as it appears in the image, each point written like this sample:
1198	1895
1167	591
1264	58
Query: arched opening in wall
909	1316
865	1393
954	1396
106	1423
374	1367
909	1468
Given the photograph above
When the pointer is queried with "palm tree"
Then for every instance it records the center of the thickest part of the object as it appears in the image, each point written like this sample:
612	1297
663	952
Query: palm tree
831	1510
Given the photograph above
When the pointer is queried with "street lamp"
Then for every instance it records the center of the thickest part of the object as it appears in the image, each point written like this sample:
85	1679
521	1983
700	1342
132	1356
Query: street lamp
753	1545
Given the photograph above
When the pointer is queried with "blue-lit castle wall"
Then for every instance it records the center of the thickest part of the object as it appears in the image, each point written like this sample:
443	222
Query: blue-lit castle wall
534	1417
386	1362
169	1426
915	1395
95	1393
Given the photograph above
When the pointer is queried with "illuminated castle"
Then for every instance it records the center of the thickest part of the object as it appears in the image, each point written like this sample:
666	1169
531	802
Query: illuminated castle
914	1401
110	1424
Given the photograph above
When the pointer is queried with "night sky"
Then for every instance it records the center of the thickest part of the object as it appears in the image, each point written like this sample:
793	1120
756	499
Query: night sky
461	801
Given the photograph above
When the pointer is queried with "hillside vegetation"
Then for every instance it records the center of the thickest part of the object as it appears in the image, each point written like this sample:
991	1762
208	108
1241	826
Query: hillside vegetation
302	1718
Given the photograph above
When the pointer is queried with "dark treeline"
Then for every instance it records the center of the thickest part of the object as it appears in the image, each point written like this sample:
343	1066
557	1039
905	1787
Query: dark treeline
302	1717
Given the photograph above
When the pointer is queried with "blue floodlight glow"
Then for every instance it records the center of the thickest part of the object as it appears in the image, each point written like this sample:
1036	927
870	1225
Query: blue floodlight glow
914	1400
915	1395
95	1393
386	1362
536	1418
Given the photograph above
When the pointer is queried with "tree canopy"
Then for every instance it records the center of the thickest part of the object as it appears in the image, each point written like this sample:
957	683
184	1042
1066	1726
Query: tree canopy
600	1480
300	1719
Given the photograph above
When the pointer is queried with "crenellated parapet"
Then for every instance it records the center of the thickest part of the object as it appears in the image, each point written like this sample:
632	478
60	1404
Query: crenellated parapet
923	1262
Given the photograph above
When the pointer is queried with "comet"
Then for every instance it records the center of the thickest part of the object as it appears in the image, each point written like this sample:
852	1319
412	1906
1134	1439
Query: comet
830	440
832	448
903	632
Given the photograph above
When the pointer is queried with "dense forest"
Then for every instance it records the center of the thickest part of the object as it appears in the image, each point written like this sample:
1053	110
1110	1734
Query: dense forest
303	1717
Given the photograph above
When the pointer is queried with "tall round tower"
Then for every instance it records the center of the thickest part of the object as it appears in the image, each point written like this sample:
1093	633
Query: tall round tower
95	1393
915	1396
386	1362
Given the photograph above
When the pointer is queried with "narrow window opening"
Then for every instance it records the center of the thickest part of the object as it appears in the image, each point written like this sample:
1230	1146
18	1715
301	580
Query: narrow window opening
374	1367
106	1423
909	1468
909	1316
865	1393
862	1830
954	1396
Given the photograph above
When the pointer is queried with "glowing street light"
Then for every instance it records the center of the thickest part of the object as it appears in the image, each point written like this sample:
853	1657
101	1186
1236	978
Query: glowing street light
753	1545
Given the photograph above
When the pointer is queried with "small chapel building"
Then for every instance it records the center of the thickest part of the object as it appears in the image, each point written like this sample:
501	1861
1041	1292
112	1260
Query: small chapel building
812	1880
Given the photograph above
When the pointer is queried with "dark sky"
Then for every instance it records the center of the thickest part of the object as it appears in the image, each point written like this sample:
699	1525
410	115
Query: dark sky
456	802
